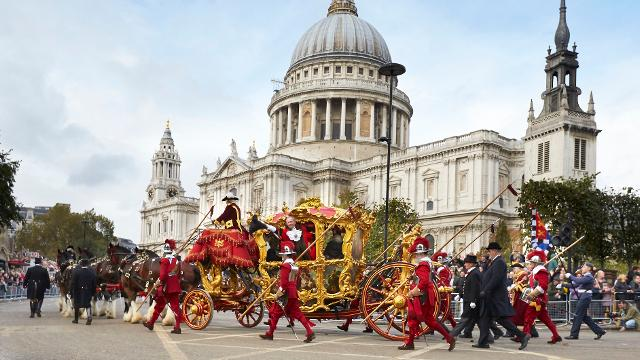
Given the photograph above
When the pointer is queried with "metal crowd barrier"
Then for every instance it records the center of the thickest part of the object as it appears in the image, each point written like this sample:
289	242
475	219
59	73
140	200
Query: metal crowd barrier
11	293
562	311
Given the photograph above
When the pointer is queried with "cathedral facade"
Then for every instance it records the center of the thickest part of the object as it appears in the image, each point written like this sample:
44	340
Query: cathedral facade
326	120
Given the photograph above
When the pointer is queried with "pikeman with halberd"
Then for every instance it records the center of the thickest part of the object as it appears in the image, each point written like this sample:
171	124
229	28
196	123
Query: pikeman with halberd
168	287
422	297
287	302
445	277
537	297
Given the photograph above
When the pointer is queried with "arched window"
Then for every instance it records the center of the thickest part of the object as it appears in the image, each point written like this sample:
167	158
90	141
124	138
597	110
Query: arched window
554	80
429	205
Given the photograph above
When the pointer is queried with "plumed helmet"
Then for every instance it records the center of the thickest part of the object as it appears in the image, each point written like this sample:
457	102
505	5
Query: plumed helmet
169	246
287	248
420	245
230	196
439	256
536	256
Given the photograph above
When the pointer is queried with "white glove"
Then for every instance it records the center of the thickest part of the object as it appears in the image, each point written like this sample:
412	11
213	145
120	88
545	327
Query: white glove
472	305
271	228
567	276
457	298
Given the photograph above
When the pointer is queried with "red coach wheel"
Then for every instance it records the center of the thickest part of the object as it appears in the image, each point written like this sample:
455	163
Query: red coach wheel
390	318
252	317
197	309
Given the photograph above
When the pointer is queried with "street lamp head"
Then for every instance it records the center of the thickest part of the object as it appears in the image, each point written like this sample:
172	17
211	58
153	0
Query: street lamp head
384	139
392	69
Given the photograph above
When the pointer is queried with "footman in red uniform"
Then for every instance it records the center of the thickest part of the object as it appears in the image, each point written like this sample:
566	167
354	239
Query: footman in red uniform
422	299
288	290
444	280
168	287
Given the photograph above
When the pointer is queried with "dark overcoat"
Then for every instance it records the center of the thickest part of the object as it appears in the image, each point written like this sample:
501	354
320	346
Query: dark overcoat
83	286
37	282
494	280
472	287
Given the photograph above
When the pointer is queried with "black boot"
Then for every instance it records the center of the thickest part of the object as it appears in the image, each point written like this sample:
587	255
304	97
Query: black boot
76	315
39	308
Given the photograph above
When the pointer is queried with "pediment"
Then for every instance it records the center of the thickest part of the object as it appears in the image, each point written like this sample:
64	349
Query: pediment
231	166
300	187
430	173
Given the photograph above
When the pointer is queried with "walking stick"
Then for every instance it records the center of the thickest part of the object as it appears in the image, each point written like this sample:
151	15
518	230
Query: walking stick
508	187
477	237
565	250
264	292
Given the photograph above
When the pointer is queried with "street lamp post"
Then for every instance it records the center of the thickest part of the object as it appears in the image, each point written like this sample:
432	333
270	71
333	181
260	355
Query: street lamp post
392	70
85	222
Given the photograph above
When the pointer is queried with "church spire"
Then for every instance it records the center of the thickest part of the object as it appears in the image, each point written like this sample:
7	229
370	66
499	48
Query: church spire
532	116
343	7
562	32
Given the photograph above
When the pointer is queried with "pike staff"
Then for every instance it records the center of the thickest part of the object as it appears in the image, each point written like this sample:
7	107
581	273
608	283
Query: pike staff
565	250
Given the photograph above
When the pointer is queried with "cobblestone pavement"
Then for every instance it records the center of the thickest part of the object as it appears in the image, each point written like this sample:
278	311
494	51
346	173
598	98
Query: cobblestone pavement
55	337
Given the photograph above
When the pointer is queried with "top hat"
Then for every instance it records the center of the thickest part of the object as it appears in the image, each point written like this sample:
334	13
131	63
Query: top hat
494	246
472	259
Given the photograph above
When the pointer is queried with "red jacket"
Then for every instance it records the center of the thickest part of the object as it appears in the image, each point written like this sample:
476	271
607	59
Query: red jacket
230	217
541	276
170	275
289	287
307	237
444	276
425	284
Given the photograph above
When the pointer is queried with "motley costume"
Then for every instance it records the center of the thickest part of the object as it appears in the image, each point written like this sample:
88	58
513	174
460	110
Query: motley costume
168	287
422	298
444	281
520	281
288	290
538	299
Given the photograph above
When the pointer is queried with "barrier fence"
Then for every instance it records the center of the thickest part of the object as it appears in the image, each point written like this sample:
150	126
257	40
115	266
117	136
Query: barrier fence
563	311
12	292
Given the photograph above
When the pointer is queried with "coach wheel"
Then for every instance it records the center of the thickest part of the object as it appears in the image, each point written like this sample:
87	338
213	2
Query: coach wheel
197	309
384	302
252	317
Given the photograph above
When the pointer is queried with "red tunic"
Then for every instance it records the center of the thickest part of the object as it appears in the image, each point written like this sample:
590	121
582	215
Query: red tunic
426	286
230	217
444	276
287	286
170	275
541	276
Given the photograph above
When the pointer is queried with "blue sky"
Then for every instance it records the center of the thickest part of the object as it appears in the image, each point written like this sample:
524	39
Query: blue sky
86	87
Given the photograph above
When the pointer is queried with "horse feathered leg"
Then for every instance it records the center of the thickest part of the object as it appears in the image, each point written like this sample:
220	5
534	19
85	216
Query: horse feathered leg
150	311
60	303
111	310
169	318
127	310
136	315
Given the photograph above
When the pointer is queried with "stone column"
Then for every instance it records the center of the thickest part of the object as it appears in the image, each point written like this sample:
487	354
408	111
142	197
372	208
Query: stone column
314	120
279	130
385	117
299	132
372	123
289	123
408	133
273	130
343	119
401	142
327	126
356	136
394	123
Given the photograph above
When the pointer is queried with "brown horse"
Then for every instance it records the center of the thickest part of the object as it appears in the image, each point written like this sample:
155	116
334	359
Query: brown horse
139	273
66	263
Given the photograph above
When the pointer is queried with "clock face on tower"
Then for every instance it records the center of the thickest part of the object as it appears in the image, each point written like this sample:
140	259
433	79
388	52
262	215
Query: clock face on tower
172	192
150	193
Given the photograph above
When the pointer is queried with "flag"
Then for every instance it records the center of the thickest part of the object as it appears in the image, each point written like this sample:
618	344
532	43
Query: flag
540	236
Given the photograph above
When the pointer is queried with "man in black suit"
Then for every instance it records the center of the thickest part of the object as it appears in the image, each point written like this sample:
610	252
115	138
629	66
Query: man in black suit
496	303
472	287
37	282
83	289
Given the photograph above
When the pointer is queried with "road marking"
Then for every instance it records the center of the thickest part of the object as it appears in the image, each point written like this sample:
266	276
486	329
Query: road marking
428	348
172	349
527	352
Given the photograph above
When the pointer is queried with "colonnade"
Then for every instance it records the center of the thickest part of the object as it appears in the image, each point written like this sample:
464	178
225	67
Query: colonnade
347	119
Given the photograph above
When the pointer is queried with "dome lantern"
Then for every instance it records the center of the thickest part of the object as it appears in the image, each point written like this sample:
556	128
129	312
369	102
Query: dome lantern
343	6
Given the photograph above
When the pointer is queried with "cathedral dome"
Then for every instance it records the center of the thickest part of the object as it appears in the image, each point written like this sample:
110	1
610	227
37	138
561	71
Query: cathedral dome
341	33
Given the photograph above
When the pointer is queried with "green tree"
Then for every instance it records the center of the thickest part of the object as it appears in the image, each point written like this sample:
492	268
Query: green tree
502	237
401	217
8	206
554	199
60	227
624	229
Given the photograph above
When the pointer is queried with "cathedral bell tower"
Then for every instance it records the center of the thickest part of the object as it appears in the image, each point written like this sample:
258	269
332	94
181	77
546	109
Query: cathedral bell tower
165	173
561	141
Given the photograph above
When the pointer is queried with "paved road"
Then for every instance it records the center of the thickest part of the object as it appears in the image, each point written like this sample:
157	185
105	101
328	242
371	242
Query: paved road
53	337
